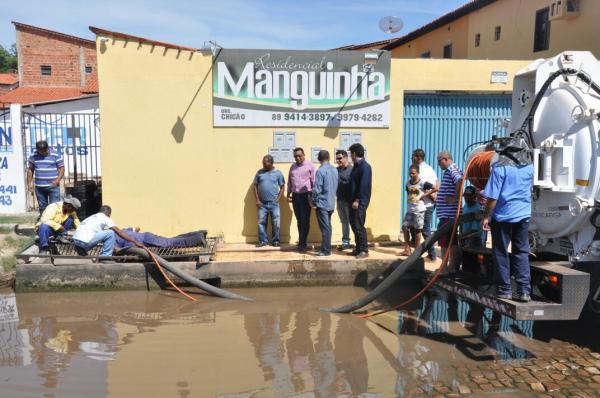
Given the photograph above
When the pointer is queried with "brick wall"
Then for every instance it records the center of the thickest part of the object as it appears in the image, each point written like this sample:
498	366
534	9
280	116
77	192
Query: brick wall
63	54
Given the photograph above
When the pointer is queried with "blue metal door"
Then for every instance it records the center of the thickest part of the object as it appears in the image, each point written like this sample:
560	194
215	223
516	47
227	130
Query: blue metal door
449	122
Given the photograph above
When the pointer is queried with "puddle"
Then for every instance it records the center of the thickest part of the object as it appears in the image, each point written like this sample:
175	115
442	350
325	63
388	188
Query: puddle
155	344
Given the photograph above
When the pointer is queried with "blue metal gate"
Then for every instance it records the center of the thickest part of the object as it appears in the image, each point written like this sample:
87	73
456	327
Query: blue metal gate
449	122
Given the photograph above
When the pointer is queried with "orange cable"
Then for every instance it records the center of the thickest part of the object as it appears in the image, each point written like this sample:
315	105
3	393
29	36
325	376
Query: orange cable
482	159
479	169
162	271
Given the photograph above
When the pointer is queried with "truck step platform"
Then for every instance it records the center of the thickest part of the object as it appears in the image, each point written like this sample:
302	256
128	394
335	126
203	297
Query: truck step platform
559	292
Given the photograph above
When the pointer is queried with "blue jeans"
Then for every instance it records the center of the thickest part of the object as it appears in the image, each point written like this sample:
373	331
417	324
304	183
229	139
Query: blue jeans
46	195
45	232
324	219
267	208
427	229
107	237
149	239
343	209
515	233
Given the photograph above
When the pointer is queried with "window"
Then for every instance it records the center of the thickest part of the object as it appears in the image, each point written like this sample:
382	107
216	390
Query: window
572	5
426	54
448	51
46	70
88	69
541	39
497	32
477	39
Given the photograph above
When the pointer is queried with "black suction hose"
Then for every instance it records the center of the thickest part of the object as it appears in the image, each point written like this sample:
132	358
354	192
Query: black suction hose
397	273
528	122
186	277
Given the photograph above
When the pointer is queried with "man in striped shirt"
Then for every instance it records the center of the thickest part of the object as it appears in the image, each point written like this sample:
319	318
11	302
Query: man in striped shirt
447	203
48	168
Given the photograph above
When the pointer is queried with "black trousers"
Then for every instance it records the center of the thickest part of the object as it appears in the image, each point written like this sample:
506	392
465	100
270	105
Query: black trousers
358	218
301	205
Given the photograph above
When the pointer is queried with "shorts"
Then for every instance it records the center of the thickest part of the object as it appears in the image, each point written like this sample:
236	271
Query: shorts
414	220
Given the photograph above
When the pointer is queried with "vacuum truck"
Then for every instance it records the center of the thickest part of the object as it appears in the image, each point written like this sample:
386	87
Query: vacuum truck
556	126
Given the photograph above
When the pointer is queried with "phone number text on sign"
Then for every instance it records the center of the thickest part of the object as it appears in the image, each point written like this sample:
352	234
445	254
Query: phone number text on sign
5	194
346	117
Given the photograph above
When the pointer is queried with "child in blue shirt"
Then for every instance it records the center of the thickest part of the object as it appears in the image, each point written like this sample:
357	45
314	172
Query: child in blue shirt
472	228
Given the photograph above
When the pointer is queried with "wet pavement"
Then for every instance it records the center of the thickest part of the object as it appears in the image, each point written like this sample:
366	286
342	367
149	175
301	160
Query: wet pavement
156	344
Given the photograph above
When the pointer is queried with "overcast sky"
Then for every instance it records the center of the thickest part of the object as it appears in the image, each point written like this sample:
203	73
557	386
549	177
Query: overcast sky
300	24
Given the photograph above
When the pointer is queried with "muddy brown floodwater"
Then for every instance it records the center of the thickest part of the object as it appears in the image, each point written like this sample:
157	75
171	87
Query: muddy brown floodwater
156	344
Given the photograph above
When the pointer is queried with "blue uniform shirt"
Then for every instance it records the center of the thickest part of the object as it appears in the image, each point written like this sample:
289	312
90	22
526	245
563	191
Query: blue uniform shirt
326	184
268	183
511	187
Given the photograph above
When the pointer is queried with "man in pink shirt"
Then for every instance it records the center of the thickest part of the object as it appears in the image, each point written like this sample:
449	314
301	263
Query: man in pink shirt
301	180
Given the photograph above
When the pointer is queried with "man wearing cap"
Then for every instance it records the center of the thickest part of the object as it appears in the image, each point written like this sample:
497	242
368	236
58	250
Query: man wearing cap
56	220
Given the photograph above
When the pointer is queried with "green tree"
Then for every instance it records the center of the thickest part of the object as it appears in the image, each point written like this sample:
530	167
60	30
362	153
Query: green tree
8	59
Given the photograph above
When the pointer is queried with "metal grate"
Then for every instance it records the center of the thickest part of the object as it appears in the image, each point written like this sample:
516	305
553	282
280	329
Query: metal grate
65	249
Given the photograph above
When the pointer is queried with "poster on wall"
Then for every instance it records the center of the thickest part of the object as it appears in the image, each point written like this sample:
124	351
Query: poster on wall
263	88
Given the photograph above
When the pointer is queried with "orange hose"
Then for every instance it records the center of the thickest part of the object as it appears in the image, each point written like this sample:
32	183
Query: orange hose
479	169
437	274
162	271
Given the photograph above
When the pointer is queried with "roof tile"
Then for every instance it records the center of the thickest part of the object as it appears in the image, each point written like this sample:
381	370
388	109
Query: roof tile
9	78
33	95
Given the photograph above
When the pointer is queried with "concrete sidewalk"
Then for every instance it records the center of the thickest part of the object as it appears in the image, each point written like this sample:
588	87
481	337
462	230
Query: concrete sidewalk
233	265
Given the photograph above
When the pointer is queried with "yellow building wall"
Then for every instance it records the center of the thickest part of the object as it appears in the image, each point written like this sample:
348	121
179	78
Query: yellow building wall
167	170
455	33
517	19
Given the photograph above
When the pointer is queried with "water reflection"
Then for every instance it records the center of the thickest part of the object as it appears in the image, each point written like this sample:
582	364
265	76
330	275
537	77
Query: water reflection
293	361
154	344
478	332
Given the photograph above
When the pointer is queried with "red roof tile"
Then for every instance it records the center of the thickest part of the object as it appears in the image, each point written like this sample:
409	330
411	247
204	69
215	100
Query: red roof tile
118	35
9	78
33	95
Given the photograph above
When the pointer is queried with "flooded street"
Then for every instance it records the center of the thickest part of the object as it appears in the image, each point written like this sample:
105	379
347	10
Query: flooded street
156	344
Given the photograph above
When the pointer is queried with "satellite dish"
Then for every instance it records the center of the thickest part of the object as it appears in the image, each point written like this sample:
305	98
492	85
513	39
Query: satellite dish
391	24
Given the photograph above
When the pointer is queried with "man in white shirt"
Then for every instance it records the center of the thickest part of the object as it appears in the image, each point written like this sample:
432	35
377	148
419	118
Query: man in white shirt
99	228
427	174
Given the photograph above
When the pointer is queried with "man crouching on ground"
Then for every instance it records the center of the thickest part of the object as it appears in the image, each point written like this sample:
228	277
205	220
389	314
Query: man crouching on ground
56	220
99	228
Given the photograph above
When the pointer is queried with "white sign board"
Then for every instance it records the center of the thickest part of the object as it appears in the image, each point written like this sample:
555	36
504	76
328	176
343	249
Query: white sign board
12	169
259	88
499	77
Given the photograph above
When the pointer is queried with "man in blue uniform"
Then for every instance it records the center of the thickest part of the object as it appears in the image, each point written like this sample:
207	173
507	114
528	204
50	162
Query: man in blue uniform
507	214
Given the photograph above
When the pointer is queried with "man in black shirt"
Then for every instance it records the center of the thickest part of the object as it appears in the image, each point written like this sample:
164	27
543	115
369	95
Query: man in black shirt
361	178
344	192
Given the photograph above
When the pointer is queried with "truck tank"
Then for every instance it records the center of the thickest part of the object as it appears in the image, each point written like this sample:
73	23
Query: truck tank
556	104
